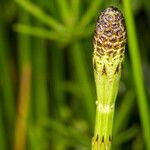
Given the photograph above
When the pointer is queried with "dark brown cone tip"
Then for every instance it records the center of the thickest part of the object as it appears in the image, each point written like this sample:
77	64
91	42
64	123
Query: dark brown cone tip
110	32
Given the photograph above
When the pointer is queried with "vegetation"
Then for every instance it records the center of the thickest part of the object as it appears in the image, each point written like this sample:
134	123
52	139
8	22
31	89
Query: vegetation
47	88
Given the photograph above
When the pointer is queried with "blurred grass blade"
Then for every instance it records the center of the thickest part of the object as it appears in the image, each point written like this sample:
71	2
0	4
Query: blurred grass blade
137	72
90	13
39	14
36	31
89	31
75	10
63	8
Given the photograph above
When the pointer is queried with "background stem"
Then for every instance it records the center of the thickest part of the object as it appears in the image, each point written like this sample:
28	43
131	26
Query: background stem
137	72
8	103
24	86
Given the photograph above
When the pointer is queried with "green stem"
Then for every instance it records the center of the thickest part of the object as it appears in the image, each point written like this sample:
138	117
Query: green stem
37	31
64	11
24	47
39	74
39	14
106	95
40	93
2	133
39	80
103	130
137	72
58	77
6	89
88	16
75	10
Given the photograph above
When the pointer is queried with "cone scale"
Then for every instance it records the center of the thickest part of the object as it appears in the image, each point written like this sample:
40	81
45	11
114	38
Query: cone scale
109	47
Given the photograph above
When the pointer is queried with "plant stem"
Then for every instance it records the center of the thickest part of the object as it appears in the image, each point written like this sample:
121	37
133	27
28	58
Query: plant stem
23	107
88	16
2	133
59	95
36	31
75	10
106	94
39	73
58	77
24	47
137	72
39	14
6	81
63	7
40	92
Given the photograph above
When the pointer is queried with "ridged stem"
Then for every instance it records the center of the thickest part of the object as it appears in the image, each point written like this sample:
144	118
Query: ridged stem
105	107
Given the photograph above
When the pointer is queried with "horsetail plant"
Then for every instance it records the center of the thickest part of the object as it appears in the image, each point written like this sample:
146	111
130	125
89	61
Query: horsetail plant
109	47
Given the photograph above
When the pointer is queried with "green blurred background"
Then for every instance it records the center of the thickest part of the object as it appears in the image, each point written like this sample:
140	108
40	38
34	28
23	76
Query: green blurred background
47	89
